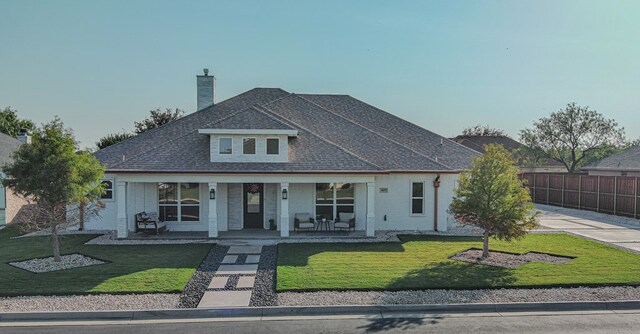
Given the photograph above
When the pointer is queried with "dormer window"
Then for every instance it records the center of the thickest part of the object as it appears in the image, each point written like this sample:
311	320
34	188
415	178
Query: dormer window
225	146
273	146
248	146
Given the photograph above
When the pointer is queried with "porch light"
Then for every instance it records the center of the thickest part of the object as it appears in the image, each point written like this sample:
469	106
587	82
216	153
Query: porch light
285	195
212	194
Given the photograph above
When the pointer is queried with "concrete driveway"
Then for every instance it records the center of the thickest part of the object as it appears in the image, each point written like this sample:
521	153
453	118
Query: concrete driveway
620	231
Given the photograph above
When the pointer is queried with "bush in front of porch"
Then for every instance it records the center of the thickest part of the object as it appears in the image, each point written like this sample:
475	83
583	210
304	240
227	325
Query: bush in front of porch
422	262
131	269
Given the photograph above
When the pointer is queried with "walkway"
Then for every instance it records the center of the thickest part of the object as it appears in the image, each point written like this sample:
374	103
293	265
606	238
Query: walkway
232	284
619	231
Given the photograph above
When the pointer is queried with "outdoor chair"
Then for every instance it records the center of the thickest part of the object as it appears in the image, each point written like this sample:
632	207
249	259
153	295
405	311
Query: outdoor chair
303	221
149	222
345	221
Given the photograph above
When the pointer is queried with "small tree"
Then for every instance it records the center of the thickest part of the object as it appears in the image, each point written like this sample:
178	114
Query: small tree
574	136
112	139
483	130
491	196
157	118
10	124
55	178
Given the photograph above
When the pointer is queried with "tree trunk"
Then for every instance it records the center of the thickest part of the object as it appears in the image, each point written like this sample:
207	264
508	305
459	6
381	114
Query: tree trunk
55	243
81	215
485	245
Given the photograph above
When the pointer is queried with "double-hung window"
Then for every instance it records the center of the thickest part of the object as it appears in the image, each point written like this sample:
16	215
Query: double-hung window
417	198
248	146
179	202
333	198
273	146
225	146
108	189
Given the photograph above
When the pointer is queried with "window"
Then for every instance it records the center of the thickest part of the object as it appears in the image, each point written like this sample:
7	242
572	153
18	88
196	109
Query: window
333	198
108	189
225	146
179	202
273	146
248	146
417	198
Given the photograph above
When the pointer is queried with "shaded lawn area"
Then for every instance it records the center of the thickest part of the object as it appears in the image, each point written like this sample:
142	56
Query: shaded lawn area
421	262
132	269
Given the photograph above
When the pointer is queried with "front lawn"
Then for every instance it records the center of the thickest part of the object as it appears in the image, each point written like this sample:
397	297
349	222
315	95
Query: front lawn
421	262
131	269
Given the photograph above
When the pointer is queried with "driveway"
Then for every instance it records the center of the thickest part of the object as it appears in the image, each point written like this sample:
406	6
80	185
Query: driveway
619	231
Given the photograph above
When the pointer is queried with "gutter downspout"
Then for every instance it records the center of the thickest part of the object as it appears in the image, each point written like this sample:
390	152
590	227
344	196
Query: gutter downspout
436	185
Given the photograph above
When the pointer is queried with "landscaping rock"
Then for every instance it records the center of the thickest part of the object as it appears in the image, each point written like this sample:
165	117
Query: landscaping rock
89	302
47	264
199	281
507	260
265	284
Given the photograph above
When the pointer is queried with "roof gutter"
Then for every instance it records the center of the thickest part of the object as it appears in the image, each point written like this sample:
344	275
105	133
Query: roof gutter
115	171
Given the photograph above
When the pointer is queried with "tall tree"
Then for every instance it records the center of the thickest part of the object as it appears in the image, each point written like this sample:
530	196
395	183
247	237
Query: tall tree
113	138
157	118
10	124
491	196
574	136
55	177
482	130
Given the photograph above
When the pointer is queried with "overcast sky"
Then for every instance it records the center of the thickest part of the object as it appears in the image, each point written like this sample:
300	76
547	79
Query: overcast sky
444	65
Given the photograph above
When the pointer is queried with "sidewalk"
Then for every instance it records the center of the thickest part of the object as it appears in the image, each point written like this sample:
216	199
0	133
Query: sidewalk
618	231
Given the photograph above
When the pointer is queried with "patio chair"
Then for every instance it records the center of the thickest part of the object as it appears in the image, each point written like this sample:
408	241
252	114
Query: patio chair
345	221
149	222
303	221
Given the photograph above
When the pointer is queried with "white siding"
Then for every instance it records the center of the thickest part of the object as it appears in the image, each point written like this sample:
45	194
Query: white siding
270	203
234	191
301	200
222	203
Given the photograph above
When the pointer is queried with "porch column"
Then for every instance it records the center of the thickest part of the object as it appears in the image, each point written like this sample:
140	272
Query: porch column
371	209
284	210
213	210
121	206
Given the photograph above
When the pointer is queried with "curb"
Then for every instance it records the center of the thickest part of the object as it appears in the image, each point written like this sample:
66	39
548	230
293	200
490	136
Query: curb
279	311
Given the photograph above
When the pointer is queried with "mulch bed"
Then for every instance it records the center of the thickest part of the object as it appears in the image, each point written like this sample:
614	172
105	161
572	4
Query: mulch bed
508	260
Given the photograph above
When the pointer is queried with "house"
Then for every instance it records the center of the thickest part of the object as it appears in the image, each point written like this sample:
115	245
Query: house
10	203
477	143
625	163
268	154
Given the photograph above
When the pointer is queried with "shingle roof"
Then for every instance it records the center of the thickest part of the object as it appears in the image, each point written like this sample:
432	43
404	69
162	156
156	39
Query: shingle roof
628	159
335	133
8	145
477	143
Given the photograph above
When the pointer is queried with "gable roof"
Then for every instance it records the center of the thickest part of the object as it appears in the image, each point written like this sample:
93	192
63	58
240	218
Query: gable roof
628	159
336	133
8	145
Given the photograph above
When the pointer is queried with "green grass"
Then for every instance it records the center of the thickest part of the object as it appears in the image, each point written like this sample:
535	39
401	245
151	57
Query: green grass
131	269
421	262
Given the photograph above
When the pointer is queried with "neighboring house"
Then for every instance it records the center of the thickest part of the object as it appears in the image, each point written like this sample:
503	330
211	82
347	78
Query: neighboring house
10	203
270	154
625	163
478	142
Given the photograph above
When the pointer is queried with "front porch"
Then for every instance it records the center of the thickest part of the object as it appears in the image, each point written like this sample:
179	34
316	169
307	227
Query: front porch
249	209
252	234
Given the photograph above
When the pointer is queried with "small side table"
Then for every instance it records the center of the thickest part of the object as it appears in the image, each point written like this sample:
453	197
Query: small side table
324	224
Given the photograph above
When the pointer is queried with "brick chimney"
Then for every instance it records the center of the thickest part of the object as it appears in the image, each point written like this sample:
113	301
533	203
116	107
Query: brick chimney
206	89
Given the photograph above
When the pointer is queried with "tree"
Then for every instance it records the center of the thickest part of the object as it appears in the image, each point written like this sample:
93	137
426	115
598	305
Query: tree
491	196
55	178
482	130
574	136
10	124
112	139
157	118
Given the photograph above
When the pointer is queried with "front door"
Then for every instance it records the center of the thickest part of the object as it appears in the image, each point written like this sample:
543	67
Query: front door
253	205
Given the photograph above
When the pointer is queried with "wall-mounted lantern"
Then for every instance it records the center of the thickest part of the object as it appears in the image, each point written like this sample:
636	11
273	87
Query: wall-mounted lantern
285	194
212	194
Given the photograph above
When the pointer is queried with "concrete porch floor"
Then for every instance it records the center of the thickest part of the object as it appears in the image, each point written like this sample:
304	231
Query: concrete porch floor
248	234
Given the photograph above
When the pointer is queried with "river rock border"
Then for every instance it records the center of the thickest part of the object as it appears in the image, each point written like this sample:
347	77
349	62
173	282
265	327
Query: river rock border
199	281
264	287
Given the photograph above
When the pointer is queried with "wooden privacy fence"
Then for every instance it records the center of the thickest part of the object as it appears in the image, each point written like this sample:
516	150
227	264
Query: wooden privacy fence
616	195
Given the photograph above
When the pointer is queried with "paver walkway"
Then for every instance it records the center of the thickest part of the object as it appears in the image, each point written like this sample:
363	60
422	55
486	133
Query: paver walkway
232	283
619	231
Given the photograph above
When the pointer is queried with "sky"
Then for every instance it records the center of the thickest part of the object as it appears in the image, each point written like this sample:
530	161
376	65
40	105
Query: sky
444	65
